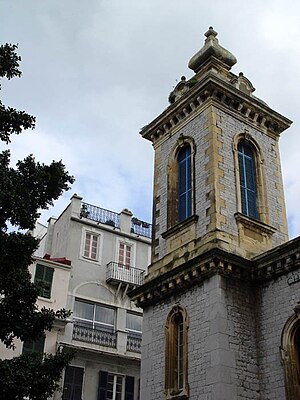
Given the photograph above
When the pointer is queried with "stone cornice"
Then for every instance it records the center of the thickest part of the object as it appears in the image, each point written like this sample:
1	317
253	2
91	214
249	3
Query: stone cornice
211	87
192	272
278	261
270	265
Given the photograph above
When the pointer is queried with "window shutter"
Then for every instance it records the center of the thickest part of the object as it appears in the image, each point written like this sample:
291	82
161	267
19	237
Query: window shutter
30	347
67	390
102	385
44	277
73	383
129	387
48	277
39	273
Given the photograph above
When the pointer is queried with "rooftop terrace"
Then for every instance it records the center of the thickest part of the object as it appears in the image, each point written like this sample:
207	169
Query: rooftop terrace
112	218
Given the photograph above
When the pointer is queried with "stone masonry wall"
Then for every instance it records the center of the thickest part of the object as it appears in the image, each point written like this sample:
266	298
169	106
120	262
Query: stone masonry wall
222	360
230	127
275	303
197	129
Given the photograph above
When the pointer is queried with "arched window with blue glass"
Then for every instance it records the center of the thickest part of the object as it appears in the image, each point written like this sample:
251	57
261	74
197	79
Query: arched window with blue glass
184	170
247	174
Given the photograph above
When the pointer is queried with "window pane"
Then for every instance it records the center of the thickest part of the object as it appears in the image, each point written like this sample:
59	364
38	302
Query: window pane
184	183
252	212
84	310
249	170
244	202
241	169
134	322
128	255
87	244
91	245
94	247
182	177
247	180
105	315
125	254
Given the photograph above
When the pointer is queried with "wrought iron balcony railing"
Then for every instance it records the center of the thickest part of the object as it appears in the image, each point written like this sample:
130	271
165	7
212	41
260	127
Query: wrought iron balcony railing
134	341
92	335
99	214
141	228
116	272
112	218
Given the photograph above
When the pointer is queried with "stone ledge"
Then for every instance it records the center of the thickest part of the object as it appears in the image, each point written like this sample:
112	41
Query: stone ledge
270	265
177	228
254	224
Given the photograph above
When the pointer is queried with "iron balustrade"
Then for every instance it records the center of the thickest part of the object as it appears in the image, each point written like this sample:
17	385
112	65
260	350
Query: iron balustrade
134	341
93	335
111	218
141	228
123	273
99	214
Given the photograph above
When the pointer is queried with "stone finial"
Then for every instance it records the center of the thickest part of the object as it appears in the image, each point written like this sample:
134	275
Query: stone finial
210	49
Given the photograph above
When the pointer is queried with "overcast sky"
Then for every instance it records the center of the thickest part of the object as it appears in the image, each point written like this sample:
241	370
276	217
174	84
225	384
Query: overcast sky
96	71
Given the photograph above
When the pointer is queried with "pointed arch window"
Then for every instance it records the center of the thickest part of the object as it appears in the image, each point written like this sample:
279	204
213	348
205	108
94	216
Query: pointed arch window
290	353
247	175
176	329
184	169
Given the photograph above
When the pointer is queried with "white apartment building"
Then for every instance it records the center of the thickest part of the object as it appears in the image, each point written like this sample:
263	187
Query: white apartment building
89	258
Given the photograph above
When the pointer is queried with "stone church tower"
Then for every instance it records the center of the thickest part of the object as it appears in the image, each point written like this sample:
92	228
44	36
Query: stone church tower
220	298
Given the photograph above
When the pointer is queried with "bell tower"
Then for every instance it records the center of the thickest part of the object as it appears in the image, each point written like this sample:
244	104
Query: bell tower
235	199
218	202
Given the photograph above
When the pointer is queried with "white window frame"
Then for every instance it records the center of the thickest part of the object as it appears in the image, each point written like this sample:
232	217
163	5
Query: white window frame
133	330
115	376
94	322
126	242
95	233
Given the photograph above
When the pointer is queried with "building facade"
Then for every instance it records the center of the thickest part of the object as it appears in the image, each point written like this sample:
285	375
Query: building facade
55	276
221	296
88	260
109	253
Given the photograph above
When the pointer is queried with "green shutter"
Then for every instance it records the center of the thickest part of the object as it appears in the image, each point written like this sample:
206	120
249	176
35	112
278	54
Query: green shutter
39	273
43	278
29	346
48	276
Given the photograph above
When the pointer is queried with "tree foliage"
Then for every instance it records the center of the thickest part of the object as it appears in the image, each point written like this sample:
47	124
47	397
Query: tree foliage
24	190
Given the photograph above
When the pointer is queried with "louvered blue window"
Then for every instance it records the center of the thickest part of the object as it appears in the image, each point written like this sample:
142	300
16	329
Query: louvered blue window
184	183
247	180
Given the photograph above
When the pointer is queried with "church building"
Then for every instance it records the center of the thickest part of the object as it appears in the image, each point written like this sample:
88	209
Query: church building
221	300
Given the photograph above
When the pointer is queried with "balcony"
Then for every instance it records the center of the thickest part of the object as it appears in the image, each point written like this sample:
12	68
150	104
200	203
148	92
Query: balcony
96	336
111	218
134	341
99	214
118	273
121	341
